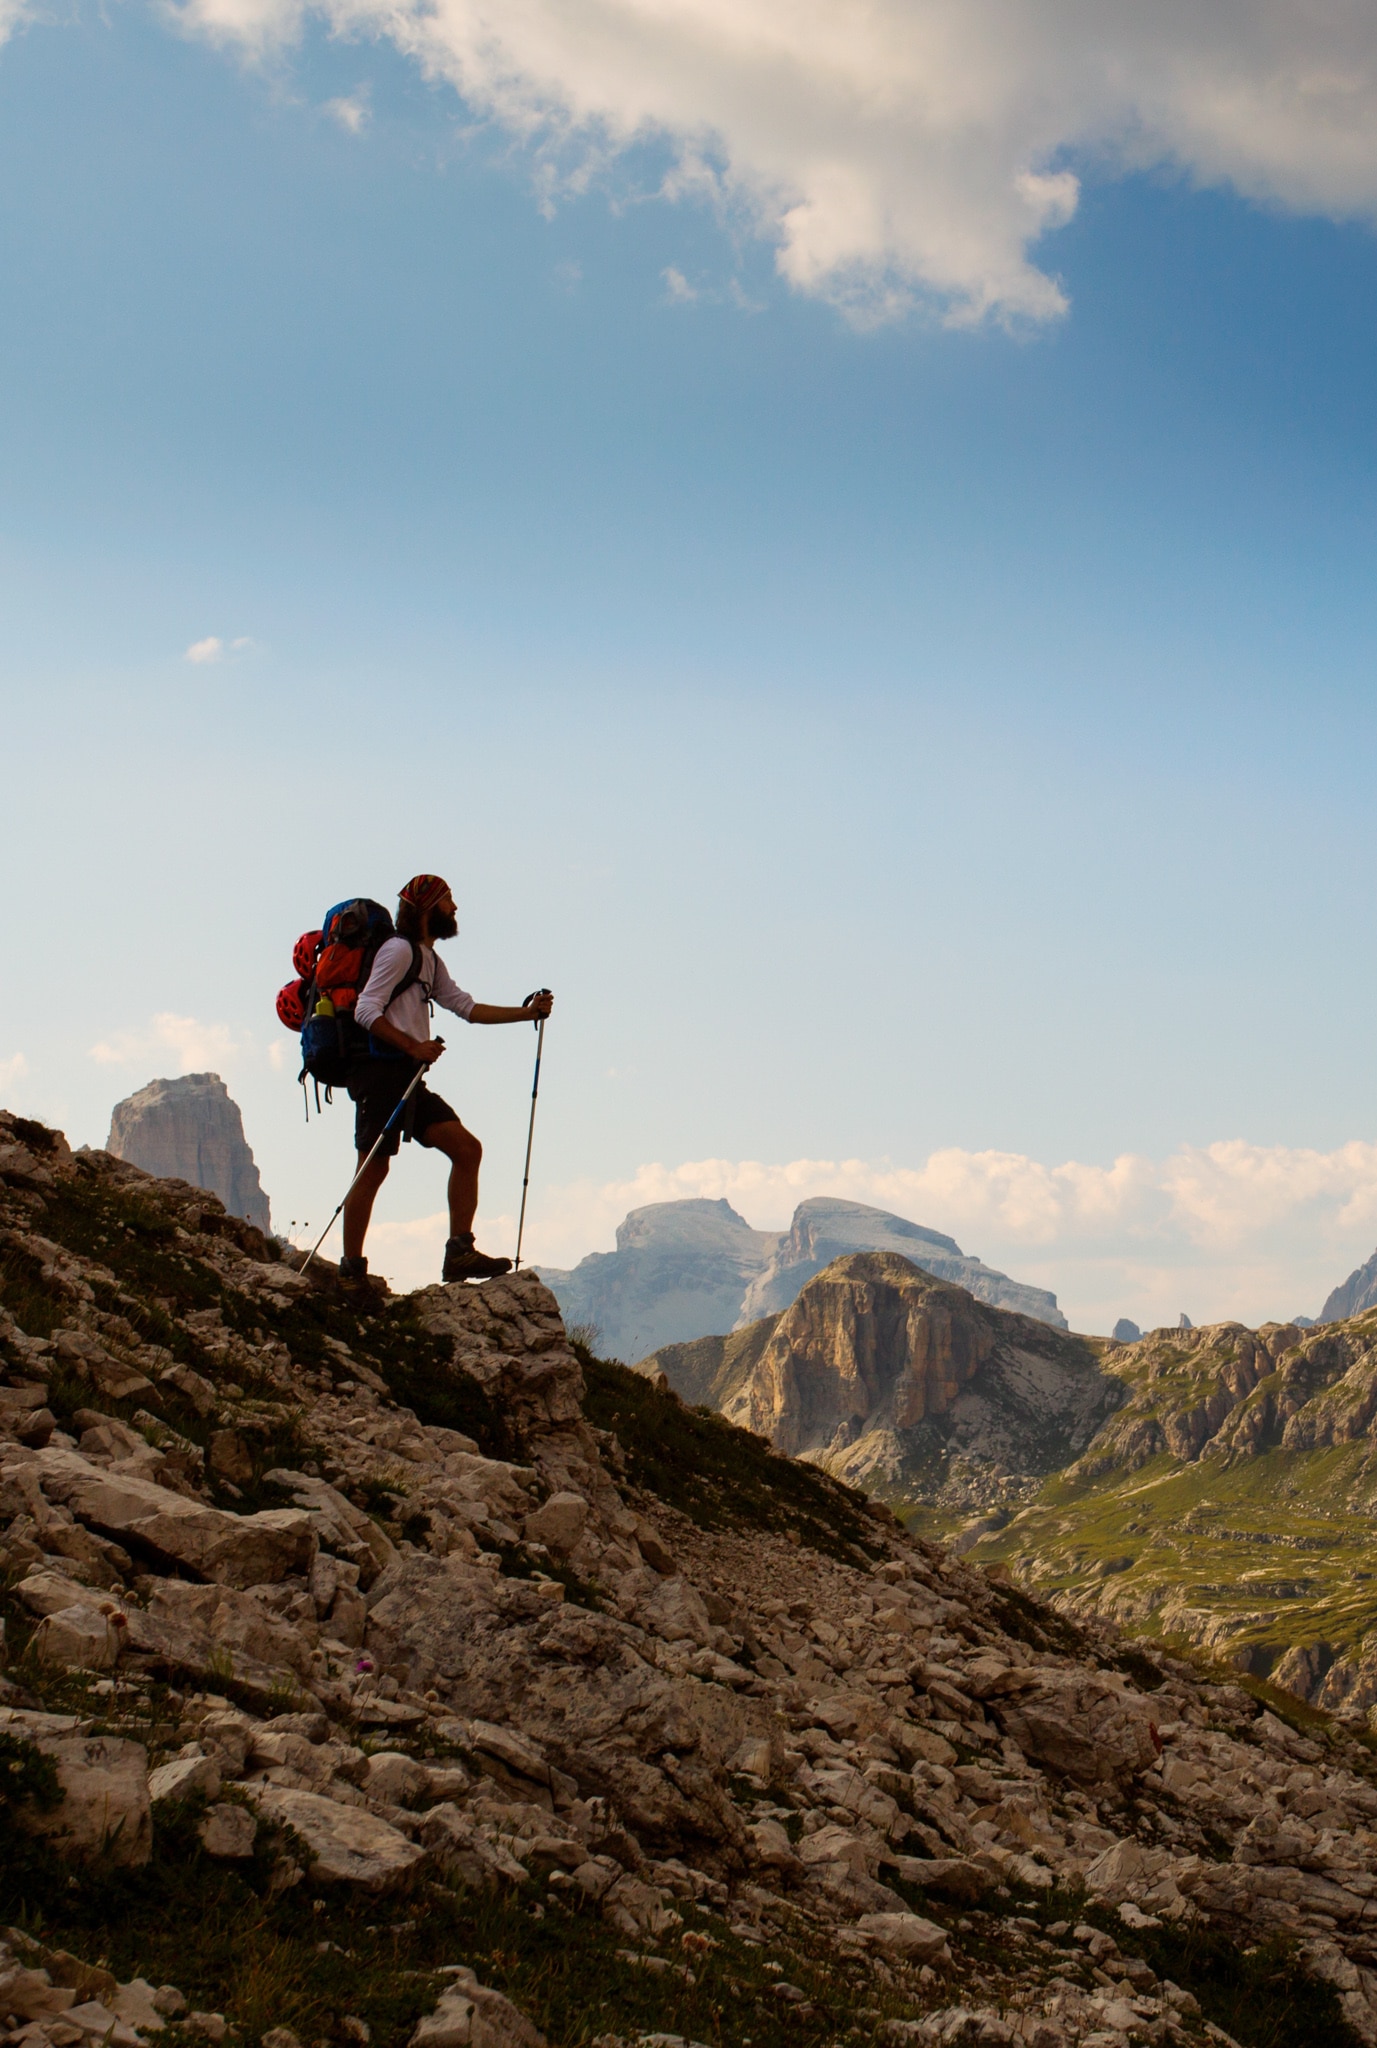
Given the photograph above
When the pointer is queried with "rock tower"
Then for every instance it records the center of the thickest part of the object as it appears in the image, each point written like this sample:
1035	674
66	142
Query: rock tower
190	1129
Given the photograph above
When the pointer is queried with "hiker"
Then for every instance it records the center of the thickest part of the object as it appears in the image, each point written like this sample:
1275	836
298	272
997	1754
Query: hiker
393	1008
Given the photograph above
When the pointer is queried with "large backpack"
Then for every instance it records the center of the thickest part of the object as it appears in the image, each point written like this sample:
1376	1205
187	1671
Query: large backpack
333	966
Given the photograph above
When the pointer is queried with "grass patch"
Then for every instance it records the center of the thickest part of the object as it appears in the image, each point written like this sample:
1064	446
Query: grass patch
235	1941
1263	1995
517	1563
721	1476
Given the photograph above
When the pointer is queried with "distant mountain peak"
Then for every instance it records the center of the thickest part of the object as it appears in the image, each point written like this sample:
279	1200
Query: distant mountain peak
190	1128
696	1268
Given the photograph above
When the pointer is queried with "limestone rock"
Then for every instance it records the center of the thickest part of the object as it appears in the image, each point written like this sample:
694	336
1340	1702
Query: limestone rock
190	1129
183	1777
1082	1724
472	2015
228	1832
347	1844
80	1637
105	1807
906	1935
236	1550
559	1522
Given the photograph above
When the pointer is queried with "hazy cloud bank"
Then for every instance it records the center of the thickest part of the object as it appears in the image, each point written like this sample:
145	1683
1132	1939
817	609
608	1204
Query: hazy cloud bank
910	147
1230	1229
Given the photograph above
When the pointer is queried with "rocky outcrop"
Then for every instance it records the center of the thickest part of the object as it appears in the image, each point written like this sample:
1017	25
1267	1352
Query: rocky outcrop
190	1129
1354	1296
905	1385
684	1270
469	1696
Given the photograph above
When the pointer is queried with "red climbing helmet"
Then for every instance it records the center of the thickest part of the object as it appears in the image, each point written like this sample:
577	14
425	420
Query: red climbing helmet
291	1003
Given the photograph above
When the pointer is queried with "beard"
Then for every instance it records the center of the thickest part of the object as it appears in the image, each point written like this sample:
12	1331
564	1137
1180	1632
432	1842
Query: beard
443	924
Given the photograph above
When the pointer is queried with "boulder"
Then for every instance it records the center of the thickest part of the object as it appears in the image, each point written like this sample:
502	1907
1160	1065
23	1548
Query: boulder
105	1808
234	1550
395	1778
45	1592
183	1778
559	1523
79	1637
906	1936
1082	1724
347	1844
458	1848
164	1639
228	1831
340	1527
470	2015
676	1613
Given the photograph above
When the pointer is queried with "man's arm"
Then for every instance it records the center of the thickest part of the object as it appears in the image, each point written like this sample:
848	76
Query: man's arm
427	1050
495	1013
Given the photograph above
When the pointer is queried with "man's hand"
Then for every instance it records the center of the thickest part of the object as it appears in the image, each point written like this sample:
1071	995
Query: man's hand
428	1050
535	1007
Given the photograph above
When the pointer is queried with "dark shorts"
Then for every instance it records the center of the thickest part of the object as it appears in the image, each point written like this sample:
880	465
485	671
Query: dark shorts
377	1086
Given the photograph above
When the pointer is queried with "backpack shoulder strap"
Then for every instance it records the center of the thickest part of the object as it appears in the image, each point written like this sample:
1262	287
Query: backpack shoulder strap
411	977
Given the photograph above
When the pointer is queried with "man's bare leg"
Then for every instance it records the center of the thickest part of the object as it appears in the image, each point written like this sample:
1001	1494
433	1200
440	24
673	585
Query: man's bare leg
358	1209
462	1259
465	1155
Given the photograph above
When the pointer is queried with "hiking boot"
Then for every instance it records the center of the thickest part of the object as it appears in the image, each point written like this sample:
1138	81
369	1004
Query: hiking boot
464	1262
353	1273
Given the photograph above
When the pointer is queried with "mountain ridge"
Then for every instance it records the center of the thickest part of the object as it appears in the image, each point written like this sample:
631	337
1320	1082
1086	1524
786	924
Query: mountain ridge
696	1268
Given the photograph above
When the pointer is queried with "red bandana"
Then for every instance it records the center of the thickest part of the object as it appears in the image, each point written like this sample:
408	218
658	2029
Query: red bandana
423	892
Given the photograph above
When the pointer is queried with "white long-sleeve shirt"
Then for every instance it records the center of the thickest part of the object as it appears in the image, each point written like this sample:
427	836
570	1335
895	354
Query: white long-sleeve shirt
409	1011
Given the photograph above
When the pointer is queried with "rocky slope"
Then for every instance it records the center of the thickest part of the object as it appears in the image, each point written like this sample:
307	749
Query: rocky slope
190	1129
904	1385
383	1671
1229	1500
684	1270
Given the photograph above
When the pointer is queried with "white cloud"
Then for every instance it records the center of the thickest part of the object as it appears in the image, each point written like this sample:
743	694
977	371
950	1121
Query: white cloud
213	648
12	13
13	1069
1228	1229
678	290
189	1045
352	114
910	148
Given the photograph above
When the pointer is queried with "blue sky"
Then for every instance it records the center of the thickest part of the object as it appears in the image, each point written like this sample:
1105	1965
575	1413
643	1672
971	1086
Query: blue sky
894	732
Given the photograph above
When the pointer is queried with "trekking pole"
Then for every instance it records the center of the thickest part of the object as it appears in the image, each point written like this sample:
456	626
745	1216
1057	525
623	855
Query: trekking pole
411	1088
530	1129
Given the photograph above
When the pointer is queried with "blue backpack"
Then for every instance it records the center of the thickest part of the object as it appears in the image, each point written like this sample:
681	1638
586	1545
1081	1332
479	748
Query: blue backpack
342	960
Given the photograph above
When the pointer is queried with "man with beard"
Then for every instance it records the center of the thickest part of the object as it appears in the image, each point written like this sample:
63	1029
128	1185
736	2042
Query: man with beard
394	1008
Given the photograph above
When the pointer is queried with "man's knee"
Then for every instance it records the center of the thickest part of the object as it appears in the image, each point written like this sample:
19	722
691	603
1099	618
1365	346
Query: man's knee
456	1143
377	1172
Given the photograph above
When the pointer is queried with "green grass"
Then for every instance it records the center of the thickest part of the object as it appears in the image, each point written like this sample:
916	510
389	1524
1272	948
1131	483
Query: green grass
1261	1995
721	1476
235	1941
1279	1549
